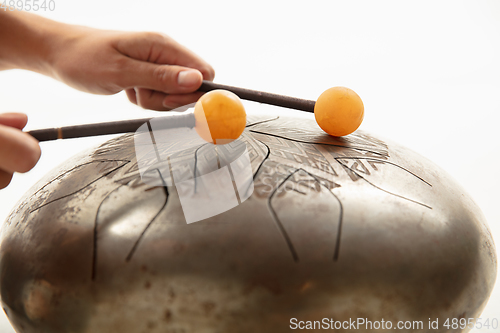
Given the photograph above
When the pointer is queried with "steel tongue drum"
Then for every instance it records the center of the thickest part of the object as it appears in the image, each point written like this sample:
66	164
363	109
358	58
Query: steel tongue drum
284	225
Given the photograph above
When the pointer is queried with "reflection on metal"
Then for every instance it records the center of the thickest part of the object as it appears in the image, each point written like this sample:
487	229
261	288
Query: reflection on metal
337	228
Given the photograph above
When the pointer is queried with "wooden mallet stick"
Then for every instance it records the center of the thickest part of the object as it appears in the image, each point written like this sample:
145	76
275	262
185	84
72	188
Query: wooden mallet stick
263	97
185	120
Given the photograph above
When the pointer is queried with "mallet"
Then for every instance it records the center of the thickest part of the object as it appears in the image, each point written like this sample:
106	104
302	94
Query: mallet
339	111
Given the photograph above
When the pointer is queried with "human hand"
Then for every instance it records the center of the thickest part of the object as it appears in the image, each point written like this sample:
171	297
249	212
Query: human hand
155	71
19	152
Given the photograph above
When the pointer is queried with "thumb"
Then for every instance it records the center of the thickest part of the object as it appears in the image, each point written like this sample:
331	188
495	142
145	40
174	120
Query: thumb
13	119
170	79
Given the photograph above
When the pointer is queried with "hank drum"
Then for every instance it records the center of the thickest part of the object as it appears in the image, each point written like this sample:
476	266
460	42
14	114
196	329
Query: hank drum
319	227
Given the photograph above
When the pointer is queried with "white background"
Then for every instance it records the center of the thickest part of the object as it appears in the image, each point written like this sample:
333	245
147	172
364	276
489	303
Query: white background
428	73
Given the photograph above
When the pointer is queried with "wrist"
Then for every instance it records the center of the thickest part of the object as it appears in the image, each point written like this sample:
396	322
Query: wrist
30	42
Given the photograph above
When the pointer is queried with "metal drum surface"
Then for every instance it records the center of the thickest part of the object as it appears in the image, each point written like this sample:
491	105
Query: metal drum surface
337	228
